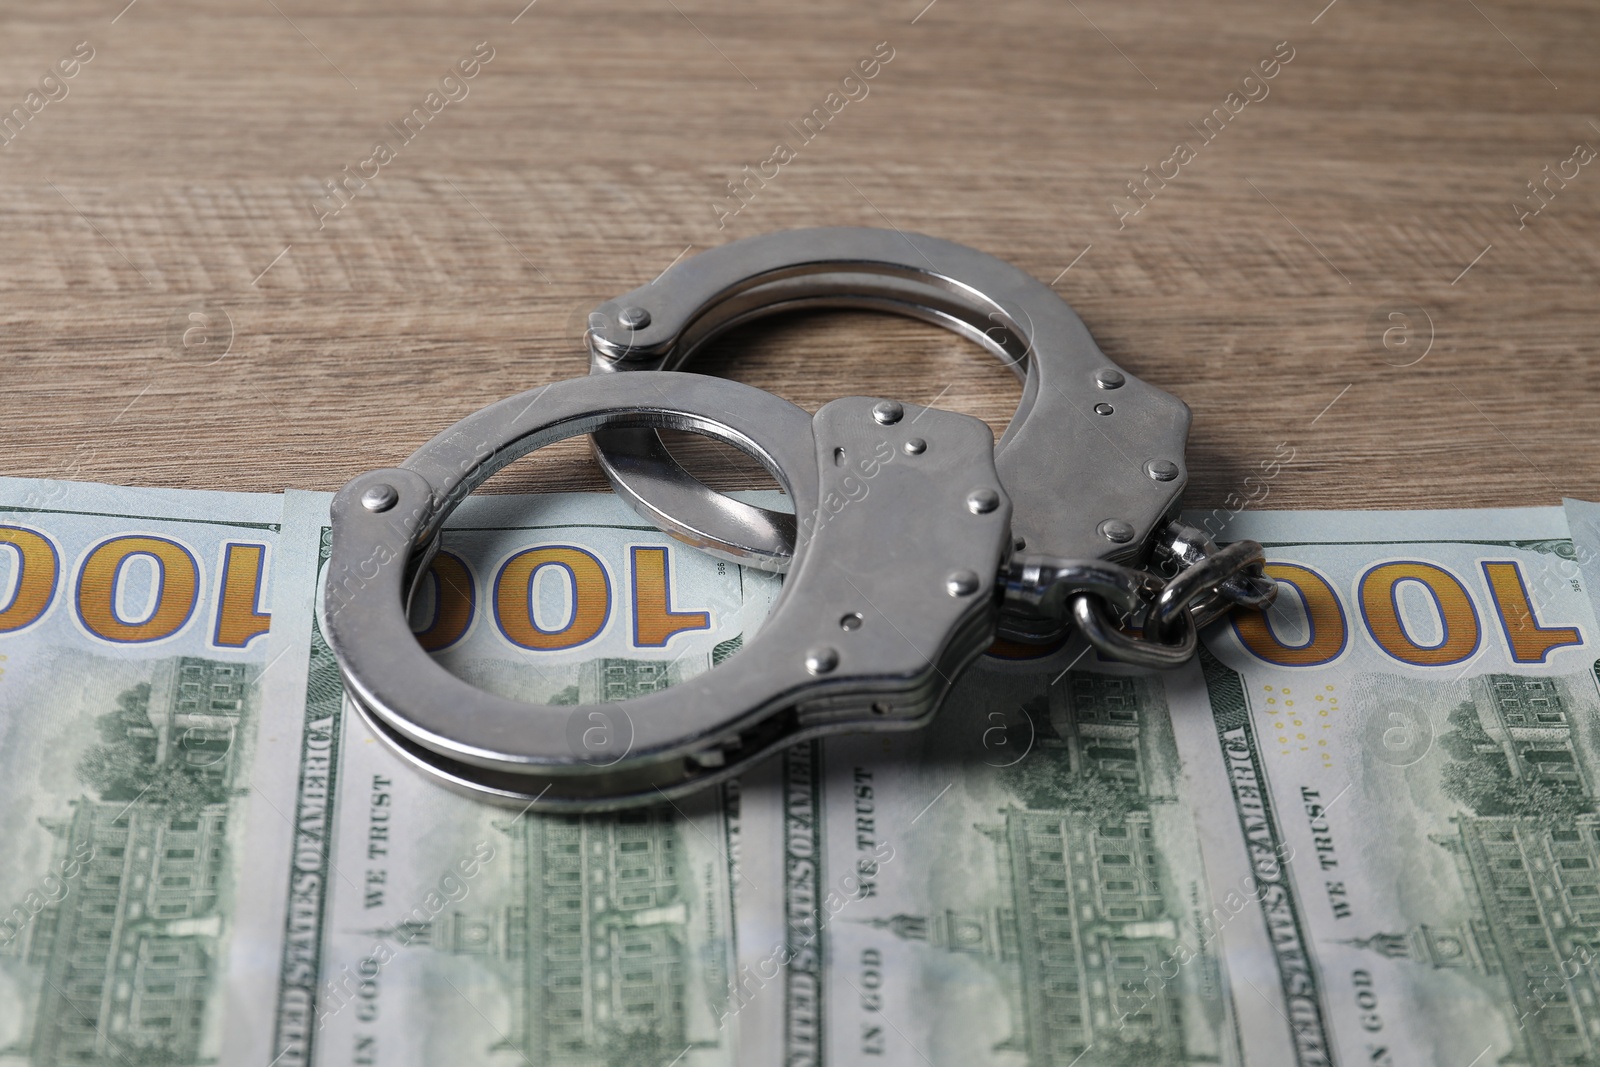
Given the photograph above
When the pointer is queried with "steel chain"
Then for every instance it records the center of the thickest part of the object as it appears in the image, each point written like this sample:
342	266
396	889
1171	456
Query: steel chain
1132	615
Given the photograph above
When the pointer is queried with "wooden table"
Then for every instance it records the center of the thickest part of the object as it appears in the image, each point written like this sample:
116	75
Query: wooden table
1380	174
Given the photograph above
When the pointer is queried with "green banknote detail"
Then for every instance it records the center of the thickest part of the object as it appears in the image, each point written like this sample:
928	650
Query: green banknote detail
1017	884
1408	744
132	641
407	909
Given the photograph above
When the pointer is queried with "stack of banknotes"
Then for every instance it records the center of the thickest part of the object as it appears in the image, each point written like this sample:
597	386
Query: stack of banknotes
1360	829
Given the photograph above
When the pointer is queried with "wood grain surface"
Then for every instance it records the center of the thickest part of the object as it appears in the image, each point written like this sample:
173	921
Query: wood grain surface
1381	172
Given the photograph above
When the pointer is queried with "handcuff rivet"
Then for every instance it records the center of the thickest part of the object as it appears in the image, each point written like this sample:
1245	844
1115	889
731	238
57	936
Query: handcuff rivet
1103	409
380	497
633	318
1162	470
887	412
961	583
982	501
915	446
1109	378
1116	530
821	660
852	621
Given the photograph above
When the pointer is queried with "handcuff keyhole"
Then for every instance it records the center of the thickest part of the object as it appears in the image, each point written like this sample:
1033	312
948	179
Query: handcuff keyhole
851	621
838	457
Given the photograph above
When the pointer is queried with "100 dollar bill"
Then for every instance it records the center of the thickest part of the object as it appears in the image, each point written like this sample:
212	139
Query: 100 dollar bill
1361	829
133	633
1017	883
422	927
1402	759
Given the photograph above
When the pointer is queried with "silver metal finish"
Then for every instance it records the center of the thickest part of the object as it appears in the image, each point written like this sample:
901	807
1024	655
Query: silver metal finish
888	412
822	660
962	583
900	548
1069	467
1117	531
1212	582
884	664
1091	620
1045	585
1106	601
1162	470
633	318
982	501
380	498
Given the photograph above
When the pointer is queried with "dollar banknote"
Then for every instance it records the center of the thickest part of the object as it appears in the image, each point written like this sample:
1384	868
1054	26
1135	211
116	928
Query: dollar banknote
1360	829
133	634
1583	520
416	926
1019	883
1397	768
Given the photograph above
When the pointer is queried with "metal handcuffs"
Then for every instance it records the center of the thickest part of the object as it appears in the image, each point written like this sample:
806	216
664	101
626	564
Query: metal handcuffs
909	549
1094	455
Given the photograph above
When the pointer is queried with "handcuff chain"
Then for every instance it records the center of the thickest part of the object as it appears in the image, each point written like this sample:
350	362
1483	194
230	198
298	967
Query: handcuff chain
1107	602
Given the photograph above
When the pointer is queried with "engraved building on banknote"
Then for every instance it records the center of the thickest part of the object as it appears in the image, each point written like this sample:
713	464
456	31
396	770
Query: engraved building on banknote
1085	918
1528	720
125	959
1532	934
594	942
612	678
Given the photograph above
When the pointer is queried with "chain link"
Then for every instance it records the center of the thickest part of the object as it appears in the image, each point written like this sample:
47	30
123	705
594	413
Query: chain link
1107	602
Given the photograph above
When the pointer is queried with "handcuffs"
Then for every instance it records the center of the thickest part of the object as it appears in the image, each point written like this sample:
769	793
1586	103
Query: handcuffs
918	541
